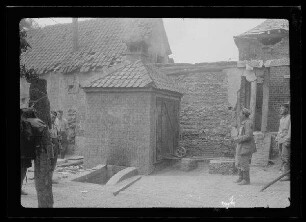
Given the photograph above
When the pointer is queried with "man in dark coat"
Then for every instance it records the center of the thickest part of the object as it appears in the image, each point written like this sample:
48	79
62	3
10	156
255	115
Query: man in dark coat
245	148
30	129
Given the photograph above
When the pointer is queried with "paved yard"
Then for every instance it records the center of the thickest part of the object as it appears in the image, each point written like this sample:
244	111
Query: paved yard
171	187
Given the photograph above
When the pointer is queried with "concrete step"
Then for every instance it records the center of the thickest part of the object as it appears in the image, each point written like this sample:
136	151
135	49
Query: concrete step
122	175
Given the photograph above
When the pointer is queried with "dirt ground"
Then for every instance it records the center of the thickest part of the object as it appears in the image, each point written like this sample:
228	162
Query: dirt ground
170	187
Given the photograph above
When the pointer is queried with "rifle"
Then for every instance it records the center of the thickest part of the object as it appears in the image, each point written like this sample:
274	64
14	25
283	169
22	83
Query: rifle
277	179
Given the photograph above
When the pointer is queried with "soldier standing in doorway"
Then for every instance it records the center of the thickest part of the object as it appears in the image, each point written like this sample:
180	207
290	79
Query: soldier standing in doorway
63	132
283	139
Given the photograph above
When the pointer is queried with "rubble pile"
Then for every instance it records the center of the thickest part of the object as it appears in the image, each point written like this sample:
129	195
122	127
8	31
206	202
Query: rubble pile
69	170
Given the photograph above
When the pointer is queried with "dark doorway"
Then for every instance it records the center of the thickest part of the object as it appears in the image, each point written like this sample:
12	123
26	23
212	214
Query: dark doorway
247	94
258	111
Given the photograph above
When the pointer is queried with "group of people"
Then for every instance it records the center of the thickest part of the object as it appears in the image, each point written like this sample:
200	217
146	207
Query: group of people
30	128
246	144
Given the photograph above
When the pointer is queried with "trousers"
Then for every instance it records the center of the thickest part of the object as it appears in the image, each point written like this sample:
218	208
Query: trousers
285	155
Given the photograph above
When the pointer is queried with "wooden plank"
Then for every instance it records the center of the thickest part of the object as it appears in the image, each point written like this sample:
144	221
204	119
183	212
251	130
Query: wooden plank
158	130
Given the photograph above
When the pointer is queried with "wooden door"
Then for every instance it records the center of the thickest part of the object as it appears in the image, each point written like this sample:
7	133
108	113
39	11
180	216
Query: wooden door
167	127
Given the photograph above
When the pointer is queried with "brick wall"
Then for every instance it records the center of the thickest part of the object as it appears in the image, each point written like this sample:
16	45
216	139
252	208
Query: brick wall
279	93
204	117
117	130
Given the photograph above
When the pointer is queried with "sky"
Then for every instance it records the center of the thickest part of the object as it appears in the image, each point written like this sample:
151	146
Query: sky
195	40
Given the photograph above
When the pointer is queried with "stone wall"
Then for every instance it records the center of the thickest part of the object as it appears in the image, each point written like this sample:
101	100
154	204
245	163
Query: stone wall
205	119
254	49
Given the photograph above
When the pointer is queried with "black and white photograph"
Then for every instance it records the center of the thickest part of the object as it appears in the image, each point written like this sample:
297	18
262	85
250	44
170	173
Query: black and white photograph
149	112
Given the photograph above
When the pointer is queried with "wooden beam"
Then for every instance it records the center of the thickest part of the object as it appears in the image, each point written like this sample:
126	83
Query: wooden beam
265	101
253	100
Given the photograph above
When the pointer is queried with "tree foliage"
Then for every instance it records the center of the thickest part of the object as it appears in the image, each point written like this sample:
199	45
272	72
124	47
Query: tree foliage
24	26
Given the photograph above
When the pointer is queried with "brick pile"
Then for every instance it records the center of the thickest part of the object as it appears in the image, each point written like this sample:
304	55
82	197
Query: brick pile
222	166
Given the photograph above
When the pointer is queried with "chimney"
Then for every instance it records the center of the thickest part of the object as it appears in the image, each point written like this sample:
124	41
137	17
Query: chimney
75	34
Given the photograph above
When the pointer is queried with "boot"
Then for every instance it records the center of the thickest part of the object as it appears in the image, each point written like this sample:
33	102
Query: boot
240	177
246	178
286	169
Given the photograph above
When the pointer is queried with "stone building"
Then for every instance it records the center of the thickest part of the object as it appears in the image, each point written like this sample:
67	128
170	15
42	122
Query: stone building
264	66
132	116
67	55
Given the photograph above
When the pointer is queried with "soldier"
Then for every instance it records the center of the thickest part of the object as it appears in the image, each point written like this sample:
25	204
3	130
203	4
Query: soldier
283	139
63	130
30	130
245	148
55	142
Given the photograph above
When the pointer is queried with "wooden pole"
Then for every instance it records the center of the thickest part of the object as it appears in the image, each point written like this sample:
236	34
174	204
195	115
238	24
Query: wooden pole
42	162
253	100
274	181
265	101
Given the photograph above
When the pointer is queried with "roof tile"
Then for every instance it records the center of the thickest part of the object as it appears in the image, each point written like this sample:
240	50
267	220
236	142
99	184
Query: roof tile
135	74
97	37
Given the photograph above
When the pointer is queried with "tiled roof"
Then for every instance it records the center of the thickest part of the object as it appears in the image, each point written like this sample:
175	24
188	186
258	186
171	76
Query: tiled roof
101	44
268	25
133	74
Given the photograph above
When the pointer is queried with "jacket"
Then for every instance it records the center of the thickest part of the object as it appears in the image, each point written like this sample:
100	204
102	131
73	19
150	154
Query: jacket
245	140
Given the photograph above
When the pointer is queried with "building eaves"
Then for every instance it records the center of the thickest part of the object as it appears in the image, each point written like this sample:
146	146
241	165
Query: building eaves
266	27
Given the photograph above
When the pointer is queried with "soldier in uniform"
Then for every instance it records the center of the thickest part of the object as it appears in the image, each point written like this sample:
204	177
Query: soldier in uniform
63	133
283	139
245	148
55	142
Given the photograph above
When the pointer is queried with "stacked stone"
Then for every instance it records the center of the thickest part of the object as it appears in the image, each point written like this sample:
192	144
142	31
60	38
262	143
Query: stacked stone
224	167
187	164
204	117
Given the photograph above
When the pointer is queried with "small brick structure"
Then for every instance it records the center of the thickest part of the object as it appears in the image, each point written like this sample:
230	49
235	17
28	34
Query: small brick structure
222	166
188	164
